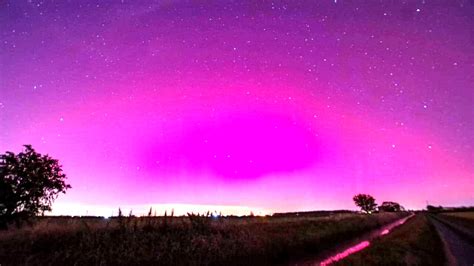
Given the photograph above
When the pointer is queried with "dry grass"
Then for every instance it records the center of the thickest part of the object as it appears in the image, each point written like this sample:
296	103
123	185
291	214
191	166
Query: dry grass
179	240
414	243
464	215
464	220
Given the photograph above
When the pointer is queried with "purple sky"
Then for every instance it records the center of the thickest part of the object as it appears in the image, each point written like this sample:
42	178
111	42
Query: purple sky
279	106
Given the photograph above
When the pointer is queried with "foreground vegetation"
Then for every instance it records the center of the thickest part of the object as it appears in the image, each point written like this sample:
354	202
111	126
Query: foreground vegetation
193	240
414	243
464	215
464	219
461	222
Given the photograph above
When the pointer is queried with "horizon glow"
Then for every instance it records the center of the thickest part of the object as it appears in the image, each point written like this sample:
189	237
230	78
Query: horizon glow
266	106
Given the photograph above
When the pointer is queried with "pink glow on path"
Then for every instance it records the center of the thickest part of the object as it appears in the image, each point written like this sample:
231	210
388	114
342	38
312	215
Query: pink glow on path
346	253
364	241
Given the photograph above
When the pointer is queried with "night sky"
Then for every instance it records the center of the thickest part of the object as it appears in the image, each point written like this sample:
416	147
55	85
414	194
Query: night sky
259	105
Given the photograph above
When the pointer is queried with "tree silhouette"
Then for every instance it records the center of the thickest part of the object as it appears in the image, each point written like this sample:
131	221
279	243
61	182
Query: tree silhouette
432	208
388	206
29	183
365	202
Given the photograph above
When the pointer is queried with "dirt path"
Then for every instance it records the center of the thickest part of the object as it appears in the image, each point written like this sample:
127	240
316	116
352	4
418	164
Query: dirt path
459	250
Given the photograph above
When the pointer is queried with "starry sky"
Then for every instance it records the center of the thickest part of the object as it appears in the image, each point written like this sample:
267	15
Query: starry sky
262	105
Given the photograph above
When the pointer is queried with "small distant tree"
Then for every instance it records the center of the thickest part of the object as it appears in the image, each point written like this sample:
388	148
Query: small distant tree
365	202
389	206
29	183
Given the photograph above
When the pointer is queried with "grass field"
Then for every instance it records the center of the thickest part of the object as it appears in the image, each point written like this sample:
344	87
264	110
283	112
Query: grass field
180	240
463	215
460	220
414	243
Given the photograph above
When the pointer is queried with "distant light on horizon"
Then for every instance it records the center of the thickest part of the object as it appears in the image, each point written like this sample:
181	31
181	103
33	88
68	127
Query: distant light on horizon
157	209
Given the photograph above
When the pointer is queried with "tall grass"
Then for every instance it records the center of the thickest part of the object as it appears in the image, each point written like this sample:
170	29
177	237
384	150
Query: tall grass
192	240
414	243
461	222
464	218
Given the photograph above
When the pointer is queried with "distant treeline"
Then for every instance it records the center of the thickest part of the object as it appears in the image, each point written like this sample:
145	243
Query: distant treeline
46	217
281	214
140	216
310	213
432	208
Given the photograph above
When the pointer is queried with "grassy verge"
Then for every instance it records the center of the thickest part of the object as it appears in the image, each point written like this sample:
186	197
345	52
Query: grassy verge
181	240
414	243
463	219
461	222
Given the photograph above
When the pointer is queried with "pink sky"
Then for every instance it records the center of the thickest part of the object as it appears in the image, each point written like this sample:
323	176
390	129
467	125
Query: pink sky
268	108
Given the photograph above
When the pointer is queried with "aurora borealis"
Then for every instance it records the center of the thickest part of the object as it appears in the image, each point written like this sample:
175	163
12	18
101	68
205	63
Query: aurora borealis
272	105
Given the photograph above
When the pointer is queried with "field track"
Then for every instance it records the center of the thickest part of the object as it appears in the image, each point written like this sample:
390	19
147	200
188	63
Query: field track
459	250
